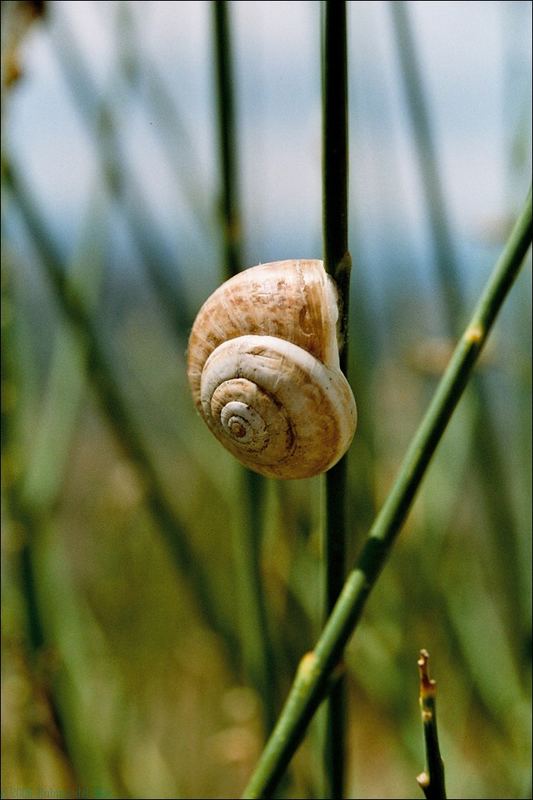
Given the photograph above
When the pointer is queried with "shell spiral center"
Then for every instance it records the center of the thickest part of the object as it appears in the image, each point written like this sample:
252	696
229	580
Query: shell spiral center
249	419
276	407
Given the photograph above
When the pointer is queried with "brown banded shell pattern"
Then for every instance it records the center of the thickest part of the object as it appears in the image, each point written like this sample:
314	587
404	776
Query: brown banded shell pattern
264	371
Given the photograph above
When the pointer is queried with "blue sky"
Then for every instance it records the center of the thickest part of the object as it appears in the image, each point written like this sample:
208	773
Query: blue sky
476	59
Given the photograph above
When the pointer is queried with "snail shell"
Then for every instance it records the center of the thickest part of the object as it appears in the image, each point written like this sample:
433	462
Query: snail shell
263	366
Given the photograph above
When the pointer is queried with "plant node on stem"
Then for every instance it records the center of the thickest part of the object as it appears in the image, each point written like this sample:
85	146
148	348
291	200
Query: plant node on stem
431	781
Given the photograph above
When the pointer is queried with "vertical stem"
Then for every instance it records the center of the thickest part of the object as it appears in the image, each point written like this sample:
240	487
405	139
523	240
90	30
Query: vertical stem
431	781
229	199
258	660
338	264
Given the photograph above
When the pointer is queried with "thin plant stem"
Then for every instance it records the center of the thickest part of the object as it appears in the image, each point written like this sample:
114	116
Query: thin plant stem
66	379
338	264
101	373
175	139
446	262
33	499
489	463
36	644
316	667
228	208
100	118
258	657
431	781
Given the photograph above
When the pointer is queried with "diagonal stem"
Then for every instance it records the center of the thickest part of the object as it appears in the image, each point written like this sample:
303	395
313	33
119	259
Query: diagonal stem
99	116
489	465
316	667
102	375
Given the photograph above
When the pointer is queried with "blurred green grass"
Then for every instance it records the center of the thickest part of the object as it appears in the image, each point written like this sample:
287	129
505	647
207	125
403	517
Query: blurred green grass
112	681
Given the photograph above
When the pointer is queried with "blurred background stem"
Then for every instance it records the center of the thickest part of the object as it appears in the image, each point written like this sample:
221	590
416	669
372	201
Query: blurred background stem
99	115
139	73
33	491
256	641
108	393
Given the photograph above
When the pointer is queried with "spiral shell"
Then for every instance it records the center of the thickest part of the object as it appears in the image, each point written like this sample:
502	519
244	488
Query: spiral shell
263	366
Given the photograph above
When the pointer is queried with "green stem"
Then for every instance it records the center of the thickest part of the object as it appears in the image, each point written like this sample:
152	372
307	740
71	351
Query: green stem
33	498
258	657
316	667
490	466
102	375
337	263
229	199
99	115
37	643
175	138
431	781
442	239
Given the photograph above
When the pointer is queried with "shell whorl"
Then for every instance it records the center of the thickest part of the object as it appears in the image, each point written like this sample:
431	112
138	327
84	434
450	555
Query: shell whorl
264	371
